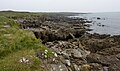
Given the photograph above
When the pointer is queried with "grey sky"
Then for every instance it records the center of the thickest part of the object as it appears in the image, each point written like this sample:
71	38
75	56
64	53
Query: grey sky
61	5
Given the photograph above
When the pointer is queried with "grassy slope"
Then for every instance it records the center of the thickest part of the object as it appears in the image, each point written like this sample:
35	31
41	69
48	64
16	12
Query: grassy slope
16	43
17	14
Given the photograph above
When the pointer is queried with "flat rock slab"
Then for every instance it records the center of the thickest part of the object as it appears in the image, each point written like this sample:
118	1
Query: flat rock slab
77	53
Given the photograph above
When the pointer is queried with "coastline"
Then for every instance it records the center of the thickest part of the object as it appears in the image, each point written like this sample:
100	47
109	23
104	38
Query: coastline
76	49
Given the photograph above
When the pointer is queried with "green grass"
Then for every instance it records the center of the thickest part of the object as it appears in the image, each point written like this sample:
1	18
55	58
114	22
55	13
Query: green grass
12	62
16	15
16	43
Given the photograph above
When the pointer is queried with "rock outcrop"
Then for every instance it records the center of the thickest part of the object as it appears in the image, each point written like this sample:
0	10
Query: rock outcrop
75	49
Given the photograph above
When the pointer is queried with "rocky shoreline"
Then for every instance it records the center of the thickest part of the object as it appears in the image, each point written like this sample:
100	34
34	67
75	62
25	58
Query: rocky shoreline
76	50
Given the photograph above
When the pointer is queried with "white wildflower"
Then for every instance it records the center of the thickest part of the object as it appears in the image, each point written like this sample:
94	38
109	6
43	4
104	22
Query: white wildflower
53	52
46	50
45	56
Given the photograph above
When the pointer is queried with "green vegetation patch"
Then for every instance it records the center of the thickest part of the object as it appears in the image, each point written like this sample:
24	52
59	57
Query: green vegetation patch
24	60
18	46
13	39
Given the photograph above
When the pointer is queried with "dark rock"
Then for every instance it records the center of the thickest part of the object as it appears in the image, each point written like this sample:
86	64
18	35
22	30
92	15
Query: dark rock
96	58
110	61
98	18
110	51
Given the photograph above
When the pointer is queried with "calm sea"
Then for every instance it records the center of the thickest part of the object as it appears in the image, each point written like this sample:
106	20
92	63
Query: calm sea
104	23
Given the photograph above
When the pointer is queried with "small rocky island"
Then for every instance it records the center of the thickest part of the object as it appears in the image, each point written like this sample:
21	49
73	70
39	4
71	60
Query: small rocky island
75	49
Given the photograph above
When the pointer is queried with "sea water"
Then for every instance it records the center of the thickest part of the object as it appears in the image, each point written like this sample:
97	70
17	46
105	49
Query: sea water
104	23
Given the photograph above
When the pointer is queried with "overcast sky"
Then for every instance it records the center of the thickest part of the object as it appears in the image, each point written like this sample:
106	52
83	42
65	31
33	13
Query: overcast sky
61	5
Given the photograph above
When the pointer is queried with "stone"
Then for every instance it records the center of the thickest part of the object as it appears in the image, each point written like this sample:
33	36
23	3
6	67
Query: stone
98	18
76	67
96	67
68	62
77	53
105	68
96	58
57	67
118	56
24	60
57	50
109	61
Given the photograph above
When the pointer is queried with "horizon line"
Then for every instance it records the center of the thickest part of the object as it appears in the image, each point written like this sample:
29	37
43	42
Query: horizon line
57	11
